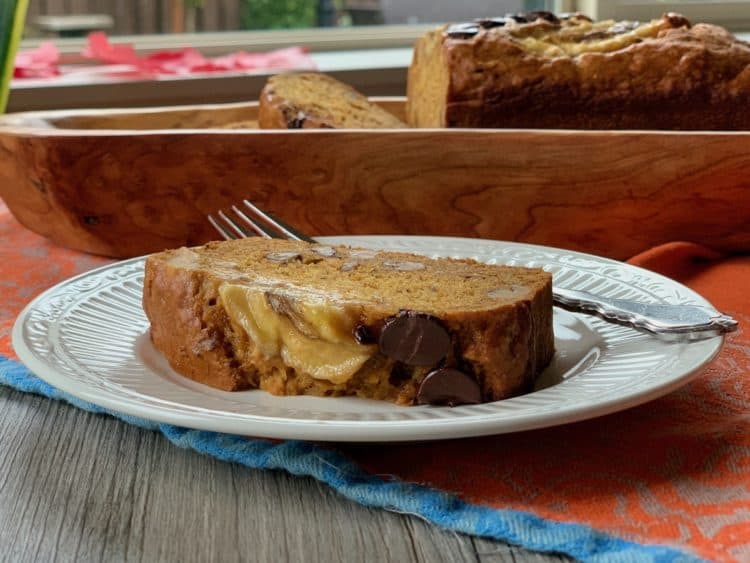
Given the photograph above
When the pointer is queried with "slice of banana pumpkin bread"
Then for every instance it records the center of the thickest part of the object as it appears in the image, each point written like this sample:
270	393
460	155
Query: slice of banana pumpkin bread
310	100
295	318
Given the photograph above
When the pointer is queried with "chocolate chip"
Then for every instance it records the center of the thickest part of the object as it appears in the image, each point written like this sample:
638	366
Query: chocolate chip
91	219
542	15
363	335
463	30
298	121
677	20
576	15
489	23
449	386
518	18
415	339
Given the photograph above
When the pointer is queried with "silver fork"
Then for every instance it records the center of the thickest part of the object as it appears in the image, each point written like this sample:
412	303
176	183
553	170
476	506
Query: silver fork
692	322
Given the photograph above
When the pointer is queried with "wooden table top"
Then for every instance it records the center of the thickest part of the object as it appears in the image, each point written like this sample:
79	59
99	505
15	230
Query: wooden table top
76	486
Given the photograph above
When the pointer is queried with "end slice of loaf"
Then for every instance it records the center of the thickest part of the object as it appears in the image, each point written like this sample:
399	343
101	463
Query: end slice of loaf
294	318
315	101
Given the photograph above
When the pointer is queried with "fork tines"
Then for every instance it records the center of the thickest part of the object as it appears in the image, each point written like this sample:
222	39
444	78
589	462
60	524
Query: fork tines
252	220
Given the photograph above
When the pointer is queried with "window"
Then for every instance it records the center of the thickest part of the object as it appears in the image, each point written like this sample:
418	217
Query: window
367	43
124	17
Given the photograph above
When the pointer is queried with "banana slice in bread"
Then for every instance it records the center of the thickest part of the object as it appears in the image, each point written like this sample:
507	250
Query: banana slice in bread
295	318
316	101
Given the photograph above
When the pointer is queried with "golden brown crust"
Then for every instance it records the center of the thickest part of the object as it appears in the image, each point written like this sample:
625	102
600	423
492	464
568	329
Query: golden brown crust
680	78
505	344
187	329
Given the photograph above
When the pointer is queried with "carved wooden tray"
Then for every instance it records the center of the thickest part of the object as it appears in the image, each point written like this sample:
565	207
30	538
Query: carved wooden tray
132	181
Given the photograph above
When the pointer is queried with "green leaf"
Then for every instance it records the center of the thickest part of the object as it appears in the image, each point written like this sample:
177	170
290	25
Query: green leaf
12	16
277	14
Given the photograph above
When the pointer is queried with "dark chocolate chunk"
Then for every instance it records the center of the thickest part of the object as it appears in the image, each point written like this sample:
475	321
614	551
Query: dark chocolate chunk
518	18
415	339
489	23
298	121
677	20
539	15
463	30
449	386
364	335
571	15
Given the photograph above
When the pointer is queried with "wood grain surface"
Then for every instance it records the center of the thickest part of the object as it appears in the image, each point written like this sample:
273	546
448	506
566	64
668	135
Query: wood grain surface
81	487
122	192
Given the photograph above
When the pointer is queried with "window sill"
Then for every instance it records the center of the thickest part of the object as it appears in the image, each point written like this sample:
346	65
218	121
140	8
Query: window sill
219	43
376	72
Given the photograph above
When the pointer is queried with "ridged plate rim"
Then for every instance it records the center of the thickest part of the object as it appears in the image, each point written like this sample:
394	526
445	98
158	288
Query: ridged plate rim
57	337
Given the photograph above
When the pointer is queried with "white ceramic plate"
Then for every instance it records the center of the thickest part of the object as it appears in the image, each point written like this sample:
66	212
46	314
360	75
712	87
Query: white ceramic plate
89	336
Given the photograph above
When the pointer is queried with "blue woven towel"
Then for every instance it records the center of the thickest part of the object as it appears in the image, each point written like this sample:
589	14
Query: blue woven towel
334	469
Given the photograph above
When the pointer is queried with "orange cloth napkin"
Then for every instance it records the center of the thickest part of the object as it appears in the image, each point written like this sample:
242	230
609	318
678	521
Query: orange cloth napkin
673	471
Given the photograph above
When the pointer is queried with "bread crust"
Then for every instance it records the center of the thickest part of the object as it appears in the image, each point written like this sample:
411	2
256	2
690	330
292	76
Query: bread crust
505	347
193	336
684	78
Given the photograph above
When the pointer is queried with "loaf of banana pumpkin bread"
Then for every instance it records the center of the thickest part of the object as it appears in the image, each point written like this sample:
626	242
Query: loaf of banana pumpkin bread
538	70
296	318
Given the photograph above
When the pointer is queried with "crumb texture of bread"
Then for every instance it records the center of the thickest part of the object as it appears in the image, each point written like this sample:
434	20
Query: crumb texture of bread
295	318
317	101
547	72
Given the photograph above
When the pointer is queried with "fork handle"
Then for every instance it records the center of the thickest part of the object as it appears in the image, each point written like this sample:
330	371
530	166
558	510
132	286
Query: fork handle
692	321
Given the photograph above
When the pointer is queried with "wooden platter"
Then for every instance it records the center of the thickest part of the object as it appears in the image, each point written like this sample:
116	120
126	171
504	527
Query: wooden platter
133	181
